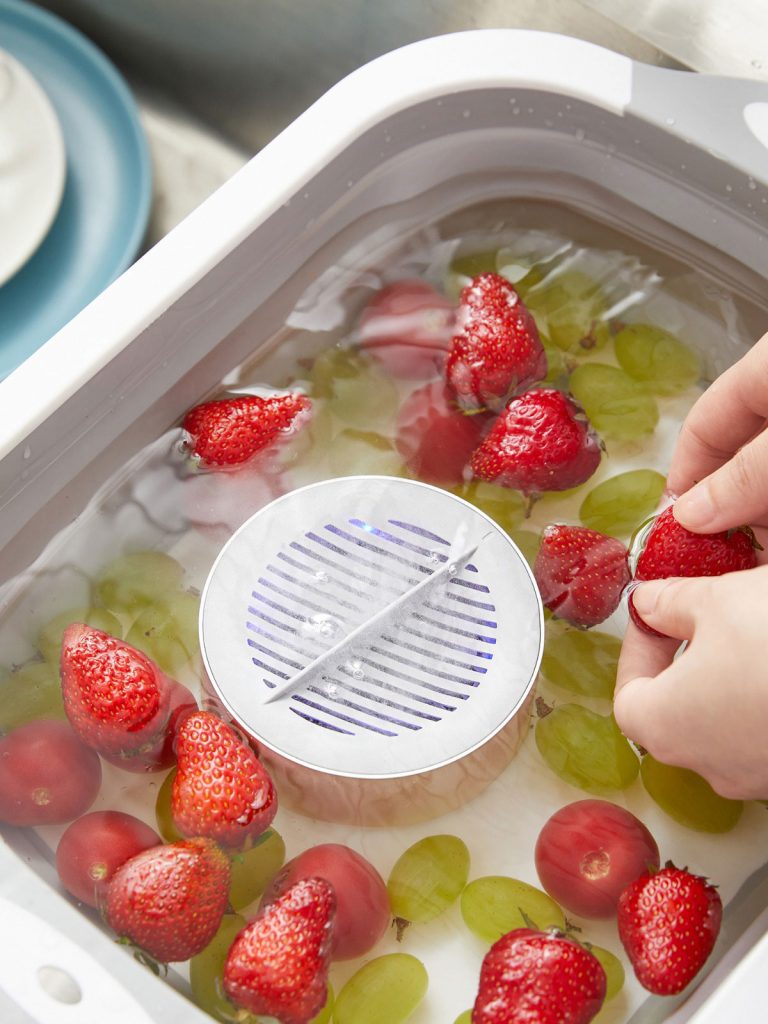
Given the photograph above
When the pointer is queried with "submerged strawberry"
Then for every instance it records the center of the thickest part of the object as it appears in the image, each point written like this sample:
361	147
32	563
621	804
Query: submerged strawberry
671	550
221	789
230	431
435	437
407	328
541	442
497	350
278	964
668	923
580	573
169	900
538	976
117	700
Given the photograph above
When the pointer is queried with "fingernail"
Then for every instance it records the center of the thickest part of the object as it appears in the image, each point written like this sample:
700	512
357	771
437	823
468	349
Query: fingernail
646	594
695	509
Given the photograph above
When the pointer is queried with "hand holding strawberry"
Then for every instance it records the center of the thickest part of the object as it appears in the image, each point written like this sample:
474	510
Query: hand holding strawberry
668	923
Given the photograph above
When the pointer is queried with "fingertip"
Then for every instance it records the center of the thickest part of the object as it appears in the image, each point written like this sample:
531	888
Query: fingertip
695	510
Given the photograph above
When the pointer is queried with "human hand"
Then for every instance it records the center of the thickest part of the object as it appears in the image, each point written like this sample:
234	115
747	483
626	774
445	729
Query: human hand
720	464
707	709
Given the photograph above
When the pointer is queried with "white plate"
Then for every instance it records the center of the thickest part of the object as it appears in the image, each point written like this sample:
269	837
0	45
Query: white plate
33	165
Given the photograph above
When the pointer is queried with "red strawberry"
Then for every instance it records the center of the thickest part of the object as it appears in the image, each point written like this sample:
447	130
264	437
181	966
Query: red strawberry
580	573
116	698
169	900
668	923
435	437
538	976
230	431
671	550
221	789
541	442
407	328
278	964
497	350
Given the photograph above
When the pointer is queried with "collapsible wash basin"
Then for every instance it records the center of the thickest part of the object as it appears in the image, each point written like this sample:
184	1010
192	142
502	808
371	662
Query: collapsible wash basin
669	167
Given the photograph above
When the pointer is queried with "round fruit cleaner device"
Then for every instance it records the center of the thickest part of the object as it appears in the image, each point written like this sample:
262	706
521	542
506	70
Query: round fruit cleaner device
379	638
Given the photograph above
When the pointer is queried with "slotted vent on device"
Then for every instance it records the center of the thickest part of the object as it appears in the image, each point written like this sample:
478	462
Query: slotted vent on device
330	581
371	626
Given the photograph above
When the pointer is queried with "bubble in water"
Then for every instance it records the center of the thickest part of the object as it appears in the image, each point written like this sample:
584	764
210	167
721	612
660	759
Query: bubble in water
331	689
322	625
669	120
465	113
453	569
729	188
752	184
433	558
356	668
580	134
322	577
27	453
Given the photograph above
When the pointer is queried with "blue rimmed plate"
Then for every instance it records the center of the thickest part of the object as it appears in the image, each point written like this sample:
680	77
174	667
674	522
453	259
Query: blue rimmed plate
104	211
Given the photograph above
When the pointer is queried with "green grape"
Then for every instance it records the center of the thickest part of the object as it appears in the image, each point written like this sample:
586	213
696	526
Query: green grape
167	632
616	405
528	542
471	264
132	581
688	798
494	905
656	358
504	505
32	691
586	749
163	815
254	869
580	661
354	391
558	365
618	505
614	971
464	1018
386	990
49	638
206	970
569	307
363	451
428	878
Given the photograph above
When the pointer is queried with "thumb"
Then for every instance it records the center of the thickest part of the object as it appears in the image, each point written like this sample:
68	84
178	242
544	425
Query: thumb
734	494
671	606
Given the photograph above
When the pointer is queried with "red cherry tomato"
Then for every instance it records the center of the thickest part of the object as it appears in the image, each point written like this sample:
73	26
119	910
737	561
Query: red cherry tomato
362	903
435	437
589	851
94	847
47	776
407	327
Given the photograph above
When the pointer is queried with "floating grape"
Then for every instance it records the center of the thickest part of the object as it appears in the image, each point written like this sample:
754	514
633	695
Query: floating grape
618	505
504	505
32	691
580	661
617	406
354	392
386	990
688	798
163	814
471	264
363	451
586	750
528	542
254	869
569	306
493	905
167	632
656	358
207	968
464	1018
614	971
49	638
428	878
135	580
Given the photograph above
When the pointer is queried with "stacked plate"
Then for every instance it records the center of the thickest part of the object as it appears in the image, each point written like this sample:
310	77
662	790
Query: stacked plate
75	181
